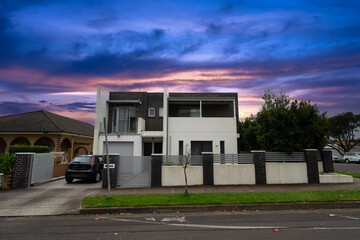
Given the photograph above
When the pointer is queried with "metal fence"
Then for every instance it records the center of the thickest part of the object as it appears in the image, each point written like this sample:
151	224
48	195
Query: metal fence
284	157
42	167
242	158
134	171
195	160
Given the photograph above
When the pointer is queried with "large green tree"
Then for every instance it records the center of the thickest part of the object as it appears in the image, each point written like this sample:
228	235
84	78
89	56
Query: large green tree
248	130
287	126
342	129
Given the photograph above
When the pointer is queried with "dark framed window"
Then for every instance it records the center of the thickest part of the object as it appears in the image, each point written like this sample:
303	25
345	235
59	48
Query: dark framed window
222	147
124	120
151	112
181	148
198	147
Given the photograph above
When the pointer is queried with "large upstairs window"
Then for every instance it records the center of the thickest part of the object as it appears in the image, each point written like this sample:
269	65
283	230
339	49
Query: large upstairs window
184	109
124	120
202	108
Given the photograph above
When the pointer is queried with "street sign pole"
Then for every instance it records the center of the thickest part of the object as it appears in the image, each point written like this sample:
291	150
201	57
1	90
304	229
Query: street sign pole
107	158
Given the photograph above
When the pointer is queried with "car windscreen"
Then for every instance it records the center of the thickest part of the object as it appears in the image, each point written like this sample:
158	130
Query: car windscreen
82	159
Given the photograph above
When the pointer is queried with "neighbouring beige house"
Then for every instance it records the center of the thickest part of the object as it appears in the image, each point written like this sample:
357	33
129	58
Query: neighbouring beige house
61	134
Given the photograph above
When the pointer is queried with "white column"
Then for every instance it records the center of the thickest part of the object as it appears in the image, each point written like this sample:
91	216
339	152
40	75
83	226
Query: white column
165	121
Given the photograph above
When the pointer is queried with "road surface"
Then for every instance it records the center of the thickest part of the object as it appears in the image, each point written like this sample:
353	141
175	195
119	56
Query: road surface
321	224
347	167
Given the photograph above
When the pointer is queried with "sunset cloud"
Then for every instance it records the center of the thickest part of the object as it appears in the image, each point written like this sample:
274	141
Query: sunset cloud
53	53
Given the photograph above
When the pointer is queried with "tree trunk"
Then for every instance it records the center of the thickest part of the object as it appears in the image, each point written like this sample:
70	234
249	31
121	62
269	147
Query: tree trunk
186	188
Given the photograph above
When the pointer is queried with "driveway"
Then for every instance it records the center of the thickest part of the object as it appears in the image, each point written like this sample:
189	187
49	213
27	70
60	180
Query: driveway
51	198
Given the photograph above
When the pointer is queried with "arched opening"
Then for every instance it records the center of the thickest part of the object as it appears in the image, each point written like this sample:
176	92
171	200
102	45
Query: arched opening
80	151
20	141
45	141
66	147
2	146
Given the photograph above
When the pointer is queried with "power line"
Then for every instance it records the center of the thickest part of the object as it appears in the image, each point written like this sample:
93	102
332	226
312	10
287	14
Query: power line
351	95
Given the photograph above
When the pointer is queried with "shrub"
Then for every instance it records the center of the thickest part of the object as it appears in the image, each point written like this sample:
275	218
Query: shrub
7	162
27	148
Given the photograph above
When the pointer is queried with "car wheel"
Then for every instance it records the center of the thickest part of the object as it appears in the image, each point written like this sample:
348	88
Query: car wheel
97	177
69	180
347	161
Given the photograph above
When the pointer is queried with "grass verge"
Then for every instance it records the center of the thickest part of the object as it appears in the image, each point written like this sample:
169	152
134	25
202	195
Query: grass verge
137	200
356	175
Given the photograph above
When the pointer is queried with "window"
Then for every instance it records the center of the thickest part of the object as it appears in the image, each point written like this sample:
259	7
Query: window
157	147
161	112
151	112
152	147
222	147
198	147
189	112
181	148
124	120
184	109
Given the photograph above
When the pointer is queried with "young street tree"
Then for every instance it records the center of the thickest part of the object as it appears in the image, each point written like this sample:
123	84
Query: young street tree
185	162
342	128
282	125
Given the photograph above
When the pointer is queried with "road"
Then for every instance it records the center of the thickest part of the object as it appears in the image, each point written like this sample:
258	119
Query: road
344	167
321	224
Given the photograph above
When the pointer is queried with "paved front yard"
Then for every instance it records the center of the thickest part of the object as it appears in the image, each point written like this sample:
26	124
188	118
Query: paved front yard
52	198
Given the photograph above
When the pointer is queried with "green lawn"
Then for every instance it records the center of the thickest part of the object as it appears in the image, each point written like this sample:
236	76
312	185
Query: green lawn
357	175
136	200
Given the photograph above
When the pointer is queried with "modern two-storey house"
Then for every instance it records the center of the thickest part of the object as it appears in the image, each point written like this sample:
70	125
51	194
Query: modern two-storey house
142	123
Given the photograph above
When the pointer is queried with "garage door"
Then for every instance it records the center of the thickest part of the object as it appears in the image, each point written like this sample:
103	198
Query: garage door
123	148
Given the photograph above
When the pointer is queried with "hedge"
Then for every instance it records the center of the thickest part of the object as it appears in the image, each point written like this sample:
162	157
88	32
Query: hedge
27	148
7	163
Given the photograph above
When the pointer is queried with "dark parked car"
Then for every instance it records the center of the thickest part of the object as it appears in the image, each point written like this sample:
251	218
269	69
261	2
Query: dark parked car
87	167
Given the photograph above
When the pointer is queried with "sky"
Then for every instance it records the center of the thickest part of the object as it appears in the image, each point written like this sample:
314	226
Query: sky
54	53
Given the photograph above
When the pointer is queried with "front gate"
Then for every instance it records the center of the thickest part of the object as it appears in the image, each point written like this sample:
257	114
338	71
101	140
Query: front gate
42	166
134	172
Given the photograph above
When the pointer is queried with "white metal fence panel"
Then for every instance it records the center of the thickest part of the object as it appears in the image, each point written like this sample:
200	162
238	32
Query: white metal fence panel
134	171
284	157
242	158
42	167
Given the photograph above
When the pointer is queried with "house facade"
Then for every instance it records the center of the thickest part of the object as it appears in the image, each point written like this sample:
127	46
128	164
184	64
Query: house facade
142	123
59	133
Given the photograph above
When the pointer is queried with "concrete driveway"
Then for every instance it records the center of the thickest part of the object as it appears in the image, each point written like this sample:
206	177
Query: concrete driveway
51	198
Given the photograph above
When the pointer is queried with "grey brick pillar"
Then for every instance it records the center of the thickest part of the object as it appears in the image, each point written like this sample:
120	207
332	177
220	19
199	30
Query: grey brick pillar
22	170
326	157
208	169
312	165
260	167
113	159
156	170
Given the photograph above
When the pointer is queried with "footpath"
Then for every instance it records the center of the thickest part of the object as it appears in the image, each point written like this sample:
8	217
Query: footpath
60	198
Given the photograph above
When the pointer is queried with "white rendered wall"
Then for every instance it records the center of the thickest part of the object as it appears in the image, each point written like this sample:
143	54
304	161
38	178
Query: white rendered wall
234	174
136	139
101	112
286	173
174	175
202	129
335	178
320	166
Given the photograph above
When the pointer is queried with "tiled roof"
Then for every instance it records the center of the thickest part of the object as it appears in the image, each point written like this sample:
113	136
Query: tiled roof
42	121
